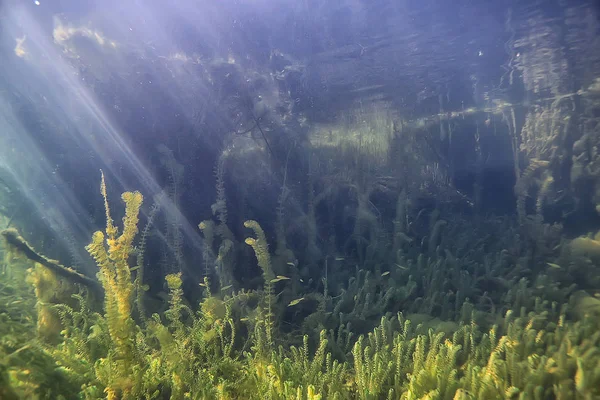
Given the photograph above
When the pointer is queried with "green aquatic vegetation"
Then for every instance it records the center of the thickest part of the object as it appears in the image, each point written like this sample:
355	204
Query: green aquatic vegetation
534	358
233	345
197	355
110	356
298	374
111	252
261	249
25	369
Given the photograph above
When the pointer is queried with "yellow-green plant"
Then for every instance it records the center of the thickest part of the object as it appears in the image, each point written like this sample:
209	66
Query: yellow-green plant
261	249
296	374
207	228
195	355
111	252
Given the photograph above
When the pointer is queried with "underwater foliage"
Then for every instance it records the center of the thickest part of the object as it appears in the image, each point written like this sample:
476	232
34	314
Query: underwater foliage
232	346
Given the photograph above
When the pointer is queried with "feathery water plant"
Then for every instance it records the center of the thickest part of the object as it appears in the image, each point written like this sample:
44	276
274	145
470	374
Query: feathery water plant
261	249
115	275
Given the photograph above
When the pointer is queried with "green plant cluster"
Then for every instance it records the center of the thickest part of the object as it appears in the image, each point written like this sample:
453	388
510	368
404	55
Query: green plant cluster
228	347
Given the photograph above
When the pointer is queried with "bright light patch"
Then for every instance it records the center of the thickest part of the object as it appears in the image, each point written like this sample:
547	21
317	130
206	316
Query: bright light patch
63	34
19	48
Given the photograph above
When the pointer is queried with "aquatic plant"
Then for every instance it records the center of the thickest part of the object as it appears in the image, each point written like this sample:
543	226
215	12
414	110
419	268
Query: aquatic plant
434	311
261	249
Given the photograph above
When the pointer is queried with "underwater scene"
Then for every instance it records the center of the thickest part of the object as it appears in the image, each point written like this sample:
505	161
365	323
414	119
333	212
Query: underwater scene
299	199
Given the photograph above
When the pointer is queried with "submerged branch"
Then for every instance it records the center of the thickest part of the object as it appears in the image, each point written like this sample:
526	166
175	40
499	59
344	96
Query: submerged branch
15	240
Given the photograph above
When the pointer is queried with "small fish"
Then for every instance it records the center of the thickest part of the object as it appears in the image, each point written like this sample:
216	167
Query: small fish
386	273
291	264
202	284
226	287
340	258
552	265
134	268
145	287
295	302
279	278
402	267
244	319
